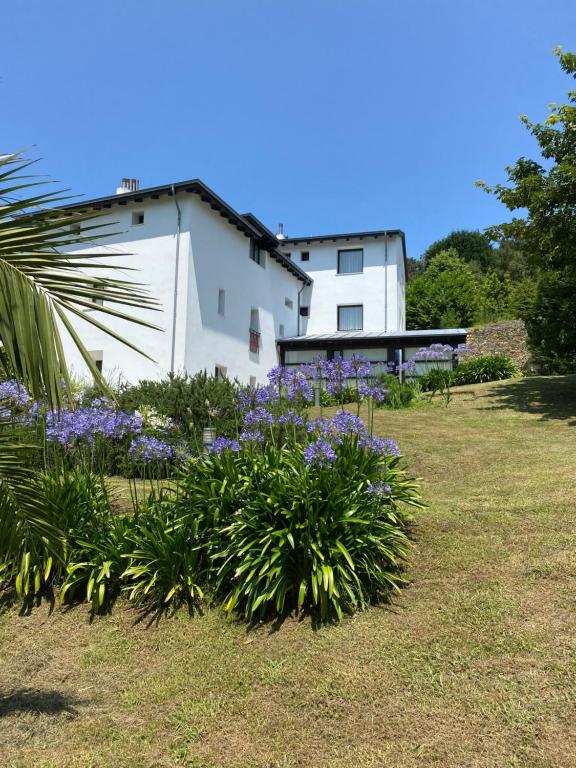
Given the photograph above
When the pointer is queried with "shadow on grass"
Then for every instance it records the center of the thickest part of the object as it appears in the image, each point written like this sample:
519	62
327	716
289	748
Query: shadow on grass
36	702
551	397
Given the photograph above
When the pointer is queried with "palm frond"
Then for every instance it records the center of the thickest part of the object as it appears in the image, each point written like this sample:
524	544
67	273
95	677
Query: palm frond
23	510
40	285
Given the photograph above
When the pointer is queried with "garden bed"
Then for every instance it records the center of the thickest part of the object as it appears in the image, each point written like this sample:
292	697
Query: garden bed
473	665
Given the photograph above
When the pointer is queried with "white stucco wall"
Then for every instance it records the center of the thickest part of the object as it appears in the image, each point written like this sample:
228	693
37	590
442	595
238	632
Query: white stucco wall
377	288
213	255
220	260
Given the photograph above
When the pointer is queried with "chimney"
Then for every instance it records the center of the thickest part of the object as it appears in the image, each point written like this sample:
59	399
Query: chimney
128	185
280	234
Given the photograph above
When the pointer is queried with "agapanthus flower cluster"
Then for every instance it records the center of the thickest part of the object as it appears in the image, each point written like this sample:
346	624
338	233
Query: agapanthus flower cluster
258	417
251	437
99	419
319	453
13	394
379	489
375	390
440	352
379	445
251	397
224	444
290	417
345	423
146	448
290	383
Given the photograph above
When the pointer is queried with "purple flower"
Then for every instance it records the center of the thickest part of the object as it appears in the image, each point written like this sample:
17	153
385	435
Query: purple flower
360	366
13	394
321	425
258	417
379	489
99	419
345	423
290	417
376	390
146	448
251	437
255	396
338	372
224	444
319	454
379	446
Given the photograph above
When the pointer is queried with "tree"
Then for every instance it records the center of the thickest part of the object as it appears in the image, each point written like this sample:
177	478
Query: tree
413	267
547	234
40	287
472	246
495	297
445	295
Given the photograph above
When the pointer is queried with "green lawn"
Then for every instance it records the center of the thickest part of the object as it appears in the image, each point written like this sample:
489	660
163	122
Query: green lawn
474	666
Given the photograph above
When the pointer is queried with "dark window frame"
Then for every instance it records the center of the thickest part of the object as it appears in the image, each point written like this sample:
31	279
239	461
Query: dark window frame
347	250
348	306
256	253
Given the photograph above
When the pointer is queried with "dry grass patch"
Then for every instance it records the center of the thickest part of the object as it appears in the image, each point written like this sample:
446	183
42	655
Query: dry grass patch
475	665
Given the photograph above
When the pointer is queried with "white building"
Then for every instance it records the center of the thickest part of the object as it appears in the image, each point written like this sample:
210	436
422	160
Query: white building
235	298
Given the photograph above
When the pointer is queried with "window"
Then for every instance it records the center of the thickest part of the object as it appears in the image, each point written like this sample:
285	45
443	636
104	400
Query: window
256	254
252	381
304	311
137	218
221	301
254	320
281	330
288	303
75	229
99	302
304	255
97	357
220	372
350	318
350	261
288	255
254	331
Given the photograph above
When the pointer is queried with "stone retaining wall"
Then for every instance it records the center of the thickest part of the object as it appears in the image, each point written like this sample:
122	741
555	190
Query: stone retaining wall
508	338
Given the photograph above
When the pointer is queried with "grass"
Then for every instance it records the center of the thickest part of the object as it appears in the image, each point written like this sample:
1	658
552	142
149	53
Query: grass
475	664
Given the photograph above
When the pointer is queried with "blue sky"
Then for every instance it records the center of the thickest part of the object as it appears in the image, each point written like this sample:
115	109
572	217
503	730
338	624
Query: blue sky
328	115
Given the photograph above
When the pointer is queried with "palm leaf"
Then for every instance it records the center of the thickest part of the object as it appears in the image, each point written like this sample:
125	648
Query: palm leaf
24	513
40	285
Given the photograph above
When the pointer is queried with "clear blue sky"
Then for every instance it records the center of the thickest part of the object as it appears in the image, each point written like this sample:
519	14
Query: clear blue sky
328	115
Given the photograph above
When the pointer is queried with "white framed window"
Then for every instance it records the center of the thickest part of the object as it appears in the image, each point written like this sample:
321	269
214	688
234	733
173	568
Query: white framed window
288	303
252	381
98	301
137	218
350	261
350	317
221	301
220	372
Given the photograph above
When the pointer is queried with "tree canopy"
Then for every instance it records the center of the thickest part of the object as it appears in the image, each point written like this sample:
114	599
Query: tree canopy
547	234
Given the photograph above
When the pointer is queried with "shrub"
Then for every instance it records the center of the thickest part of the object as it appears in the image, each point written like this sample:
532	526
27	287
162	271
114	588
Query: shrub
190	402
436	380
80	508
400	394
314	534
162	559
484	368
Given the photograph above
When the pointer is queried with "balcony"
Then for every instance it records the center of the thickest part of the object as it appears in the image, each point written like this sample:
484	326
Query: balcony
254	341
